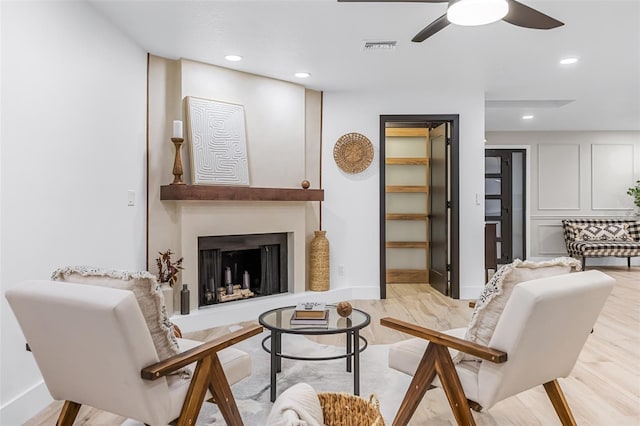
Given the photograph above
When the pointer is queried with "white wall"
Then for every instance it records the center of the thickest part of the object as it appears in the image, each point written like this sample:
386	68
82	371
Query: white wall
575	174
350	213
282	122
73	144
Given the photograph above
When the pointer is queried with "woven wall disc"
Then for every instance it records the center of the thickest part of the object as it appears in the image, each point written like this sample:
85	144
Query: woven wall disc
353	153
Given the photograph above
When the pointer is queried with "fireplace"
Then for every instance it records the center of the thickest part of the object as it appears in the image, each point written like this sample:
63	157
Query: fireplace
237	267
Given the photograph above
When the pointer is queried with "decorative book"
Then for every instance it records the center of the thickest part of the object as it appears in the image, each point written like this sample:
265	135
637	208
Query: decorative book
310	310
319	321
309	326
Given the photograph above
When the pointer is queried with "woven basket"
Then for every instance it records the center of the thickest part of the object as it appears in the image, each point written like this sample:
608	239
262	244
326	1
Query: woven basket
343	409
353	153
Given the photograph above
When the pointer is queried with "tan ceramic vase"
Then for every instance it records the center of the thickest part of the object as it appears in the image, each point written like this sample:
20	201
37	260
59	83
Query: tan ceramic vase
167	292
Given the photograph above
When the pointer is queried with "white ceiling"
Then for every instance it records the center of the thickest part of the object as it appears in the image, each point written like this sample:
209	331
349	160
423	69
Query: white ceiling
324	37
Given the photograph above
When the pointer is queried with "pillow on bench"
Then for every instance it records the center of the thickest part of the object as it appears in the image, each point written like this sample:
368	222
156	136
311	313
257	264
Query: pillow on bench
602	232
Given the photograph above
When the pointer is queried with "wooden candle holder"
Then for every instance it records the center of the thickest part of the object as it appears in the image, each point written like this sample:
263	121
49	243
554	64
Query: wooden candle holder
177	162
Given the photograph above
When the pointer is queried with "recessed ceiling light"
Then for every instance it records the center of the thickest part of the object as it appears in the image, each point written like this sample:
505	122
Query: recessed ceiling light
302	75
527	117
233	58
568	61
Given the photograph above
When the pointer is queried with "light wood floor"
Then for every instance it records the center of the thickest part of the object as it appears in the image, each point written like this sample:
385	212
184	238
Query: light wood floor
603	389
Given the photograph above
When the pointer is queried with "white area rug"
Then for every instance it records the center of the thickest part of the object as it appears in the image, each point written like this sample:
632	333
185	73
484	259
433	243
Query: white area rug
252	394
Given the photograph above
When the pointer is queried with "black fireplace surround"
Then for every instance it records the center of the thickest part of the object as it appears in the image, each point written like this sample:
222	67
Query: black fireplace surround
257	260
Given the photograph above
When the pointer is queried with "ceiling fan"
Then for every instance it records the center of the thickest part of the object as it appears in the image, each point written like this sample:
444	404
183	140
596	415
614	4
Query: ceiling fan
478	12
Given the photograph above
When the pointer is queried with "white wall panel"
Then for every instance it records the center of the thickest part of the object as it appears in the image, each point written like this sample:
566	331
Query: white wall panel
611	175
550	171
550	240
558	177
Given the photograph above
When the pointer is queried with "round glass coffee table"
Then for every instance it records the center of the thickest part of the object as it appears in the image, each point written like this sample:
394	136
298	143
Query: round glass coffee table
278	322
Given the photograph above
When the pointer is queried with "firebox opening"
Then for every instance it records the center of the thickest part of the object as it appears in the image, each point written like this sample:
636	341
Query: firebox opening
235	267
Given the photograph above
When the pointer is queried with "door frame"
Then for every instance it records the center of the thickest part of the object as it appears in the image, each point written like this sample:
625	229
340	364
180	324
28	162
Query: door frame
454	224
527	185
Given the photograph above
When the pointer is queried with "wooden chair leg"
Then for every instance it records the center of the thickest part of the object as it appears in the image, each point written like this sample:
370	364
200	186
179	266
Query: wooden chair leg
221	391
629	262
559	403
196	393
68	414
436	360
446	370
420	383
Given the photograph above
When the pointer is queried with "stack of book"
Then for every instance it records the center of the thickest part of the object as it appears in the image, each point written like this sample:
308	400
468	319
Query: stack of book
310	314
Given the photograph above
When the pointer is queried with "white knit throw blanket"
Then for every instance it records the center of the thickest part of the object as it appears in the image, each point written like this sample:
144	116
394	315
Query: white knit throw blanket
297	406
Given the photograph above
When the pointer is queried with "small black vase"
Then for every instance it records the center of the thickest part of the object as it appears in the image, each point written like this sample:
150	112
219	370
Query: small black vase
184	300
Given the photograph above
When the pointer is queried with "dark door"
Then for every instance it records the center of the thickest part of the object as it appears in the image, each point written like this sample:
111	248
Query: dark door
439	212
504	201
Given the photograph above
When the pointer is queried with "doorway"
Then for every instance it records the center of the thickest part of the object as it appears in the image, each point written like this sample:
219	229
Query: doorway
505	198
419	201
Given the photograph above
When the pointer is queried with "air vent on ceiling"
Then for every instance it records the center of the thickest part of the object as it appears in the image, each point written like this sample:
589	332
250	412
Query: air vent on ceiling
371	45
538	103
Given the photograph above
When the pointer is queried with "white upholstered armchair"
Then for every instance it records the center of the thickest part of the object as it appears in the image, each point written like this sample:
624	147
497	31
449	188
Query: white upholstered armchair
94	347
537	339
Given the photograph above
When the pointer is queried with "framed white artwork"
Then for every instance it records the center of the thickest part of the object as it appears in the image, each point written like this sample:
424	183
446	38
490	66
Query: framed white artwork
217	141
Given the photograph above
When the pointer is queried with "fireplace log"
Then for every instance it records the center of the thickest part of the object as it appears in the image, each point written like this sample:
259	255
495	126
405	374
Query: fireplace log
238	293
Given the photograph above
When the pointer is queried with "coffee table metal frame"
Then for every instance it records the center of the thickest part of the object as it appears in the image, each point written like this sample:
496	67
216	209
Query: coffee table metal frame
277	321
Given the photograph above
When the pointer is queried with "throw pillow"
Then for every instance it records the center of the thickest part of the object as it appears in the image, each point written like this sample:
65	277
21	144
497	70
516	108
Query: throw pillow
602	232
148	295
497	291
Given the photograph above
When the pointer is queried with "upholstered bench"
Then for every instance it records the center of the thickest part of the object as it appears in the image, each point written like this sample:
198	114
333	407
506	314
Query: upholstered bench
601	238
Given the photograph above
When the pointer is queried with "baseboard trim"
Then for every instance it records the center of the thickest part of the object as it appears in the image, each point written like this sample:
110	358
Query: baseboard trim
26	405
248	310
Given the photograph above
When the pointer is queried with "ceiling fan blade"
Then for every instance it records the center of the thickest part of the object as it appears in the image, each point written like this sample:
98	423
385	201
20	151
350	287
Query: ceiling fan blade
431	29
524	16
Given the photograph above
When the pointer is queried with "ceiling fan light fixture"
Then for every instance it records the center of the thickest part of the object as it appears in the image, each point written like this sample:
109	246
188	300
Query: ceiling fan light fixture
476	12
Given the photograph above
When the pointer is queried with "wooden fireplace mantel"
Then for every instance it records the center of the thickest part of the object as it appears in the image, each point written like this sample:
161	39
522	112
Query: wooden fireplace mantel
237	193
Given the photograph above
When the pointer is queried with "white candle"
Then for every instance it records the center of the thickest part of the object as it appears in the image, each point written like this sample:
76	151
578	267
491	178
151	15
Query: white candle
177	129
